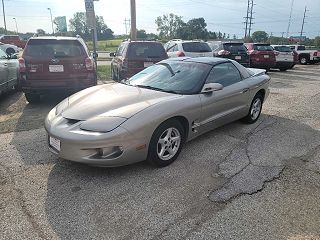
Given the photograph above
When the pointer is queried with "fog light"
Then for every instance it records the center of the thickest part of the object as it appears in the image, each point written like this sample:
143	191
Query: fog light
110	152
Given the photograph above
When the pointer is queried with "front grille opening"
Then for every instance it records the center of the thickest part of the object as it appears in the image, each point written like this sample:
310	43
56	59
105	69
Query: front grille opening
72	121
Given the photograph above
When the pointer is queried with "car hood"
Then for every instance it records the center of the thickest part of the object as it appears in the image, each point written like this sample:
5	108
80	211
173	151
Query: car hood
112	100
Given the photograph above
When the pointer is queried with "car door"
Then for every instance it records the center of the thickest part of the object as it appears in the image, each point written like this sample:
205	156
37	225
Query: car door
12	72
228	104
3	71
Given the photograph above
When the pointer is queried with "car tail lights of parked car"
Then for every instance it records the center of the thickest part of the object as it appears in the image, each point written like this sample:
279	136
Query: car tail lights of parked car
180	54
89	64
223	52
22	65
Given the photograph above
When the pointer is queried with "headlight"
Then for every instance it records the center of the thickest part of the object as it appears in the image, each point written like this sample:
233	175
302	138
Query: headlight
102	124
62	106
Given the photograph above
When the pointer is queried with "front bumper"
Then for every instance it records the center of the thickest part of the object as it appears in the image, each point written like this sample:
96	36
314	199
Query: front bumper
83	146
284	64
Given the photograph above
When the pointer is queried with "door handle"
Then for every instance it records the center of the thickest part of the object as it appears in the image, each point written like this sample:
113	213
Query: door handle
245	90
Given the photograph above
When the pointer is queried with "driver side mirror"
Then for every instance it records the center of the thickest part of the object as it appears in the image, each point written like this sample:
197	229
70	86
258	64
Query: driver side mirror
112	54
211	87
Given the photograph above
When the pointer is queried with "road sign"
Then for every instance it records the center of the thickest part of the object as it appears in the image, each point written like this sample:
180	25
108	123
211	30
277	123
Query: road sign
91	18
61	23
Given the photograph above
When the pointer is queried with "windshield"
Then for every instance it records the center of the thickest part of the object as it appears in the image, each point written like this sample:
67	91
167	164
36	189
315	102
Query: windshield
261	47
54	48
175	77
146	50
235	48
196	47
282	49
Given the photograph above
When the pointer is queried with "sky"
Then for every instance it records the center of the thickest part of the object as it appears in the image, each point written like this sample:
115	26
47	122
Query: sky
226	16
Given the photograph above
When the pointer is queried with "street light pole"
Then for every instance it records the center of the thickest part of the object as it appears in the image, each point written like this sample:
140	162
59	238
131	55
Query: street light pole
133	20
16	25
4	17
51	20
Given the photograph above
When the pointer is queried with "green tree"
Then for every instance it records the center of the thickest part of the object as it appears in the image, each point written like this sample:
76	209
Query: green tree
197	29
260	36
78	26
41	31
141	34
317	41
168	25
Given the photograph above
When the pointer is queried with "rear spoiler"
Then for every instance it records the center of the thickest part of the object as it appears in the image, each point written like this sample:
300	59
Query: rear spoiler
257	71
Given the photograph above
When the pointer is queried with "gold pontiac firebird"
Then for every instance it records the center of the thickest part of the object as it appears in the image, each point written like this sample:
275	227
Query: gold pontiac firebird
151	115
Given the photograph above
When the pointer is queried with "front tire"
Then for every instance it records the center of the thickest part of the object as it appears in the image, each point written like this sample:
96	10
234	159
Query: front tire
166	143
32	97
304	60
255	109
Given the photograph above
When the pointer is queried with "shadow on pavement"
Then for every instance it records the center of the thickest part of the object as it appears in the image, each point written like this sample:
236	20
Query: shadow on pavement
121	203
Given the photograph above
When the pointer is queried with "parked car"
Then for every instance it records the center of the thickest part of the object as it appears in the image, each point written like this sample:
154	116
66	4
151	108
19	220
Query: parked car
55	63
261	55
4	47
306	56
232	50
134	56
284	57
151	115
186	48
8	70
14	40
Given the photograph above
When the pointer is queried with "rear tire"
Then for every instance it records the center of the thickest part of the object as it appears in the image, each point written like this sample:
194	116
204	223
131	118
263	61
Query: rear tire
166	143
32	97
255	109
304	60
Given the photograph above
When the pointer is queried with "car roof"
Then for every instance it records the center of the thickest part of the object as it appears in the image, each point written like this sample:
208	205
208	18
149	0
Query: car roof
57	38
207	60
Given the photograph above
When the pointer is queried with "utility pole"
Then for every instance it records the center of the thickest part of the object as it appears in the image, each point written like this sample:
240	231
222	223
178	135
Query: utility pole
4	17
247	18
303	22
250	18
282	34
133	20
290	18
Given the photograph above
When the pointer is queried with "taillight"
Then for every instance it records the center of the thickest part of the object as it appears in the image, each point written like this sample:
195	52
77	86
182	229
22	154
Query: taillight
316	54
253	52
223	52
89	64
22	65
180	54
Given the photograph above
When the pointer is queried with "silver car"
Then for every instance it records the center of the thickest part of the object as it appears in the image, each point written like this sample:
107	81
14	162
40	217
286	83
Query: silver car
151	115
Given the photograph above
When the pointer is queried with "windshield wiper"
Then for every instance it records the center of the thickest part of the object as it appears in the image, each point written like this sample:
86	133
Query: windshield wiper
156	89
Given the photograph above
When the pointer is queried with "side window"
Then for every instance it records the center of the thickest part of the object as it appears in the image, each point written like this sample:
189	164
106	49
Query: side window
120	50
225	74
175	48
3	55
215	47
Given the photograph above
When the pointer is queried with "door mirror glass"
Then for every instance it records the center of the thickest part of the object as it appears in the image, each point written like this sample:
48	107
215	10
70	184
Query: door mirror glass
112	54
95	55
211	87
14	56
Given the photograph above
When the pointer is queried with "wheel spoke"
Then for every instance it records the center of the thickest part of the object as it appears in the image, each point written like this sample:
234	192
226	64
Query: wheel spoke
175	139
162	151
169	133
170	150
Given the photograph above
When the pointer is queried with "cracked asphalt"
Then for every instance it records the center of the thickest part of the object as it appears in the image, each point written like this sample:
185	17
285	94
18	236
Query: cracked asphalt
259	181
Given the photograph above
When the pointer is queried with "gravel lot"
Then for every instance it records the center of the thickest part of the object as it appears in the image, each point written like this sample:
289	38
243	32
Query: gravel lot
258	181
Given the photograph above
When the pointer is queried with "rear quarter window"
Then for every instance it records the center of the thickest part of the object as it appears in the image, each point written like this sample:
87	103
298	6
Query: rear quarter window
54	48
262	47
146	50
196	47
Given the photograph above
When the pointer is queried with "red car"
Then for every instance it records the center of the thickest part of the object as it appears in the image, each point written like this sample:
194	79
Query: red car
55	64
14	40
134	56
261	55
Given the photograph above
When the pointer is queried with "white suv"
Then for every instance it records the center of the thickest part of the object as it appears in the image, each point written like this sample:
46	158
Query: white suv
190	48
